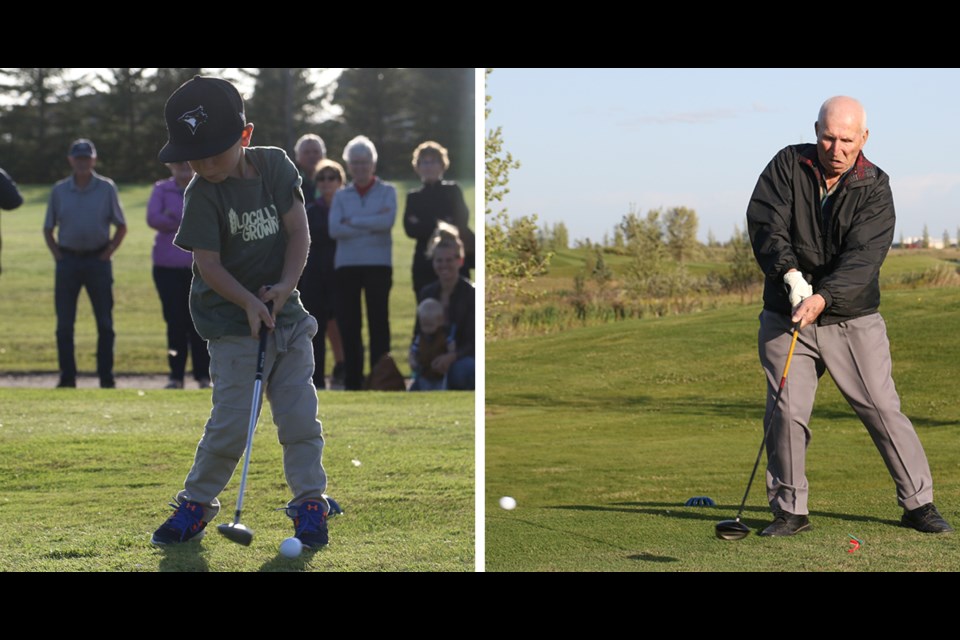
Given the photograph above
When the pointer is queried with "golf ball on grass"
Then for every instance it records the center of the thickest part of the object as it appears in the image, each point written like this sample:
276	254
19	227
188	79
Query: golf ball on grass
291	548
508	503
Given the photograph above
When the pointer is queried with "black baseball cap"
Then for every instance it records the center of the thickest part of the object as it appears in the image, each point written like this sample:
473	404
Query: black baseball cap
204	118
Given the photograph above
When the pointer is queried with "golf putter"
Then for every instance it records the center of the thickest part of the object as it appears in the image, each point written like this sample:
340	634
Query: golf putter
734	529
235	531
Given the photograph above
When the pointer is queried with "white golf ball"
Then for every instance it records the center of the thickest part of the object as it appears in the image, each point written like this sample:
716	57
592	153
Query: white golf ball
508	503
291	548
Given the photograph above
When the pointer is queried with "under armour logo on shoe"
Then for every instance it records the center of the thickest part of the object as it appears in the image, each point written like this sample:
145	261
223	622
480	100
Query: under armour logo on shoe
193	119
312	506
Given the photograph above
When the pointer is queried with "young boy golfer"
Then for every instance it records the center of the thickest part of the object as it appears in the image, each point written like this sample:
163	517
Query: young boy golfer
244	221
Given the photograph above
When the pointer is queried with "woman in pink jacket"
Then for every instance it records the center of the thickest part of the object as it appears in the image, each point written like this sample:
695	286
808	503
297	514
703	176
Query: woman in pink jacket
172	273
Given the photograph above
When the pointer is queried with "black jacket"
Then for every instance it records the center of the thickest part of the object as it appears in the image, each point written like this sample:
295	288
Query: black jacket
842	261
429	204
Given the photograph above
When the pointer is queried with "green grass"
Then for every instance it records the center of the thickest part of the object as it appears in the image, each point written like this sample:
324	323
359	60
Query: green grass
87	477
602	433
28	325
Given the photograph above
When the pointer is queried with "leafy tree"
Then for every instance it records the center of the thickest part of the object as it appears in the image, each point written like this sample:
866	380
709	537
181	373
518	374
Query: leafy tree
926	238
283	102
743	272
644	238
618	238
712	239
680	224
600	272
511	260
400	108
560	238
946	239
32	145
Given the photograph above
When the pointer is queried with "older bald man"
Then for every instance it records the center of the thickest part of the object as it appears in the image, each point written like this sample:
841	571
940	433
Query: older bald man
821	221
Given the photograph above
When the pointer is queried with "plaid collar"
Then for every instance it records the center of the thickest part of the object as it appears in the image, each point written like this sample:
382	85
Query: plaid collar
861	170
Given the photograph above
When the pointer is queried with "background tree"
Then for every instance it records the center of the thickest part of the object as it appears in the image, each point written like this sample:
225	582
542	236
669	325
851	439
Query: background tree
644	239
120	110
712	239
507	266
282	105
31	143
743	272
125	110
680	225
400	108
946	239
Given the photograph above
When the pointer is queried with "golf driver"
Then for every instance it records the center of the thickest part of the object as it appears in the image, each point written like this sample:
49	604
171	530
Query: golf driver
734	529
235	531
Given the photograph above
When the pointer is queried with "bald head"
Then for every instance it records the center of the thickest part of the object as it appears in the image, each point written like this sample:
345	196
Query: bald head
844	107
841	130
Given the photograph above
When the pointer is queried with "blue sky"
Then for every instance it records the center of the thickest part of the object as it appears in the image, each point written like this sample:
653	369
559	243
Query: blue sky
594	141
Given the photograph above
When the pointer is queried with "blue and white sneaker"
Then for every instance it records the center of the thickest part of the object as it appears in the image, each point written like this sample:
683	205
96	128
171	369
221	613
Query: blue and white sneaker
309	523
185	524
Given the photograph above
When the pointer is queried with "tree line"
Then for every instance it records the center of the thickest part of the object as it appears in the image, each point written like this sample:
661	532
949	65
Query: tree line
121	109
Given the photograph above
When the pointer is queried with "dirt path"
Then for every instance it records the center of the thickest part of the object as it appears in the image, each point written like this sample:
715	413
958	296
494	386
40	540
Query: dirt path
138	381
49	381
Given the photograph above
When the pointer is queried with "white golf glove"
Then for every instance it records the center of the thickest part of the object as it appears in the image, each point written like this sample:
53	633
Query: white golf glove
797	288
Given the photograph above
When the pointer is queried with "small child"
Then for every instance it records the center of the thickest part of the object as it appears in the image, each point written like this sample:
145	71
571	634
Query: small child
434	339
244	221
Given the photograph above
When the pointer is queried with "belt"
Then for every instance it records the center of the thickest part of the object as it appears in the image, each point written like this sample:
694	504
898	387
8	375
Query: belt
83	254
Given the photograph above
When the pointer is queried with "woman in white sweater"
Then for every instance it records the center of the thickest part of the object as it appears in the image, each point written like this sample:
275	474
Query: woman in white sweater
361	221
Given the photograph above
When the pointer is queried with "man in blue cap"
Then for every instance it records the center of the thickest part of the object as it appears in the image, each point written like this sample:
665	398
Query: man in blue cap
82	208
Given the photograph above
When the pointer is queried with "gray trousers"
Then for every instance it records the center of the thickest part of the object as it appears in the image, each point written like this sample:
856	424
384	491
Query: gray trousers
288	378
857	355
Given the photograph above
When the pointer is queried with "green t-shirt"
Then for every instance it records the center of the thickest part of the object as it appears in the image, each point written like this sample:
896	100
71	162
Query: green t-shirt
240	219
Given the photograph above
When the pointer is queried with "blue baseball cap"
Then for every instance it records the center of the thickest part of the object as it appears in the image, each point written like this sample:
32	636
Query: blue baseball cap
82	148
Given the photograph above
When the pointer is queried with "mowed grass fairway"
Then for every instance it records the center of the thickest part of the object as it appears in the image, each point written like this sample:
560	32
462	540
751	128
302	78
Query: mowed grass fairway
86	478
602	433
28	325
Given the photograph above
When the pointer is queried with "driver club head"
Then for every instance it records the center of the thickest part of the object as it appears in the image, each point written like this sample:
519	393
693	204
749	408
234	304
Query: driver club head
731	530
236	532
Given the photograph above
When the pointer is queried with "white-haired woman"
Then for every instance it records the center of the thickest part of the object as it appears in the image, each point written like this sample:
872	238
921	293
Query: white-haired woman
361	221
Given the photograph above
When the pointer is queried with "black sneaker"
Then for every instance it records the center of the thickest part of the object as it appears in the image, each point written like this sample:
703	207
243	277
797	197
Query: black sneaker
186	523
926	519
67	383
786	524
310	523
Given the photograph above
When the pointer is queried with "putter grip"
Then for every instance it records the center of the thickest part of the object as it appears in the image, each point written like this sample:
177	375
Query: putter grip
262	351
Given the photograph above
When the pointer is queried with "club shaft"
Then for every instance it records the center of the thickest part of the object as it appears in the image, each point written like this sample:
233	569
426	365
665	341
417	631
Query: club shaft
254	414
766	427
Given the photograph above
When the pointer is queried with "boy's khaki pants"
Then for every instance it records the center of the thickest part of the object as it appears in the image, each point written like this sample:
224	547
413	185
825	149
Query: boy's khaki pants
288	378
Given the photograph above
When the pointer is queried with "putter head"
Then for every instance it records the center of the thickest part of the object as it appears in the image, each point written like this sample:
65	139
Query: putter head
732	530
236	532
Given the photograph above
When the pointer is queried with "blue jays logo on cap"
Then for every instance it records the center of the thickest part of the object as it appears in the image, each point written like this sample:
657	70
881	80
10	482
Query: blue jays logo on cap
193	119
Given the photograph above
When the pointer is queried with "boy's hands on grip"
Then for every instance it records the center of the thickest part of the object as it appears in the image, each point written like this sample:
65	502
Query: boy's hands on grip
278	294
266	306
258	314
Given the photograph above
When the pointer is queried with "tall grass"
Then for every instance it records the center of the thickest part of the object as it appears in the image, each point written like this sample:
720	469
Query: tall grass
569	295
